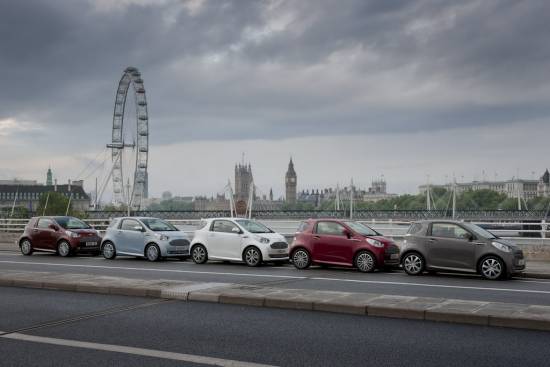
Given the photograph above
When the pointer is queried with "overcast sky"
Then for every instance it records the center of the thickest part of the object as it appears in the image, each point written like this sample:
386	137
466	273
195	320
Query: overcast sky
348	88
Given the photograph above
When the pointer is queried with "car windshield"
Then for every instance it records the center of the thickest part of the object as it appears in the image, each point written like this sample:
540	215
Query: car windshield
71	223
362	229
253	227
478	231
158	225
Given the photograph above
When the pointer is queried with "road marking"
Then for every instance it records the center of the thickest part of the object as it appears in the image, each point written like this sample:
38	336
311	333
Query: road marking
190	358
276	276
433	285
157	270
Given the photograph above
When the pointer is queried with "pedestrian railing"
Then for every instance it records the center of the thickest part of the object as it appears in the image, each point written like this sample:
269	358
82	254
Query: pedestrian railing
391	228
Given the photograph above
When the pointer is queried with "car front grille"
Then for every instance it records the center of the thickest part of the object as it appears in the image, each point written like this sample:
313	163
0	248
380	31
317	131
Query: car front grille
179	242
390	250
279	245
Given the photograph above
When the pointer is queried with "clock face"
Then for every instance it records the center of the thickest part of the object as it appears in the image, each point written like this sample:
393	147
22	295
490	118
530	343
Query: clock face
291	180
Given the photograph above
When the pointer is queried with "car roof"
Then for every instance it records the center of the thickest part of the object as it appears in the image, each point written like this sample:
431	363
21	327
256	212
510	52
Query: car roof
428	221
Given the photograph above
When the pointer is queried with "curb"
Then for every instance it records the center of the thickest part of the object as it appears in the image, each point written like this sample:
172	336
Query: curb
509	315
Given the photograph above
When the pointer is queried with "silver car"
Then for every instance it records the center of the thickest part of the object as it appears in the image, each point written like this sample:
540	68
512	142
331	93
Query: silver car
151	238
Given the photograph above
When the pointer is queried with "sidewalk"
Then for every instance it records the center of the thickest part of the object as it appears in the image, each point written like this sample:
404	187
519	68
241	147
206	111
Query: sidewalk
417	308
535	269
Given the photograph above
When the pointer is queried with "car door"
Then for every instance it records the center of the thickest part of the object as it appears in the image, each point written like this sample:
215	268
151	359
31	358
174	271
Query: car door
43	235
331	244
224	240
449	245
129	238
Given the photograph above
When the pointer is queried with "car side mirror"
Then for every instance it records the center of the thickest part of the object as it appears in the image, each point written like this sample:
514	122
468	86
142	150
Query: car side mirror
53	226
346	233
235	230
139	229
468	237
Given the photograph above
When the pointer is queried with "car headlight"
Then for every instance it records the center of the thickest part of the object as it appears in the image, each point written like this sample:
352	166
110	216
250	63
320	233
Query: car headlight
374	242
162	237
262	239
72	234
501	246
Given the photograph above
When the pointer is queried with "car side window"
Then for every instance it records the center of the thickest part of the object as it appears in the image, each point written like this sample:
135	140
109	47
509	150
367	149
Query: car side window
414	228
449	230
224	226
302	227
44	223
330	228
129	225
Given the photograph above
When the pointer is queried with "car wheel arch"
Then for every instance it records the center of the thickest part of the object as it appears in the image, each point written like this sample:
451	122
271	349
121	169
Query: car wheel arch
152	243
23	239
249	246
491	254
427	265
291	254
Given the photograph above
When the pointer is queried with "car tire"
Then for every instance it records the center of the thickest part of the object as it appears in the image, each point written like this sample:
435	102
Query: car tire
365	262
64	249
301	259
413	263
26	247
492	268
252	256
109	250
199	254
152	253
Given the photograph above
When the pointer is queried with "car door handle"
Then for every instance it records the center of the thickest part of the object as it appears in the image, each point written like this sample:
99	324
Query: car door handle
431	240
316	237
479	243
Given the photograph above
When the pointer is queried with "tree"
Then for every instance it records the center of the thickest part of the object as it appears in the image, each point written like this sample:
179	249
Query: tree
56	204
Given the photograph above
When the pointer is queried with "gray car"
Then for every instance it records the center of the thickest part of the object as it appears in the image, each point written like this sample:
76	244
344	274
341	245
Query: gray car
438	245
151	238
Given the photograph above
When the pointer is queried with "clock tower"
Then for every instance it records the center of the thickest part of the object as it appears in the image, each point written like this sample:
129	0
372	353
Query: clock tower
290	183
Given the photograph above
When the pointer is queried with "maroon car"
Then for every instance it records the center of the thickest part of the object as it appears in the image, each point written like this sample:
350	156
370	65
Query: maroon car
62	235
342	243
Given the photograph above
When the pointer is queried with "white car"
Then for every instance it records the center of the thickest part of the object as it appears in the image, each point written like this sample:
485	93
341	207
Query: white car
237	239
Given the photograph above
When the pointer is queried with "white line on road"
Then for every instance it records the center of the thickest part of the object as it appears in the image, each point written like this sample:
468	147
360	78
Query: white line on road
211	361
433	285
157	270
381	282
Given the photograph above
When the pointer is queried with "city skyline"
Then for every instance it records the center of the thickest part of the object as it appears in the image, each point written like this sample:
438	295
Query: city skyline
358	89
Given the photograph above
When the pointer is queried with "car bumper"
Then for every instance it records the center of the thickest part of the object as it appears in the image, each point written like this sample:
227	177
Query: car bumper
175	249
516	265
83	245
391	256
276	257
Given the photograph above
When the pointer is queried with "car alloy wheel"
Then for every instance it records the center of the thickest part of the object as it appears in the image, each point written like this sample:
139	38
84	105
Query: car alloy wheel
491	268
199	254
413	264
301	259
109	251
64	249
365	262
26	247
252	256
152	253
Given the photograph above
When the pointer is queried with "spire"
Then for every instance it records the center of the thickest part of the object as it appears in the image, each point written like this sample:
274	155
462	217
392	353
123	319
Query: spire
49	176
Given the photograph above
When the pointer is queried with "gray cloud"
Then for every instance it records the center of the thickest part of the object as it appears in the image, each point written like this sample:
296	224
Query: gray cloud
231	70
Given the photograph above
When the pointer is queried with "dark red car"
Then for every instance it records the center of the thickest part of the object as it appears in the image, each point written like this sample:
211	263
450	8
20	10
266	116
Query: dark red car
342	243
62	235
